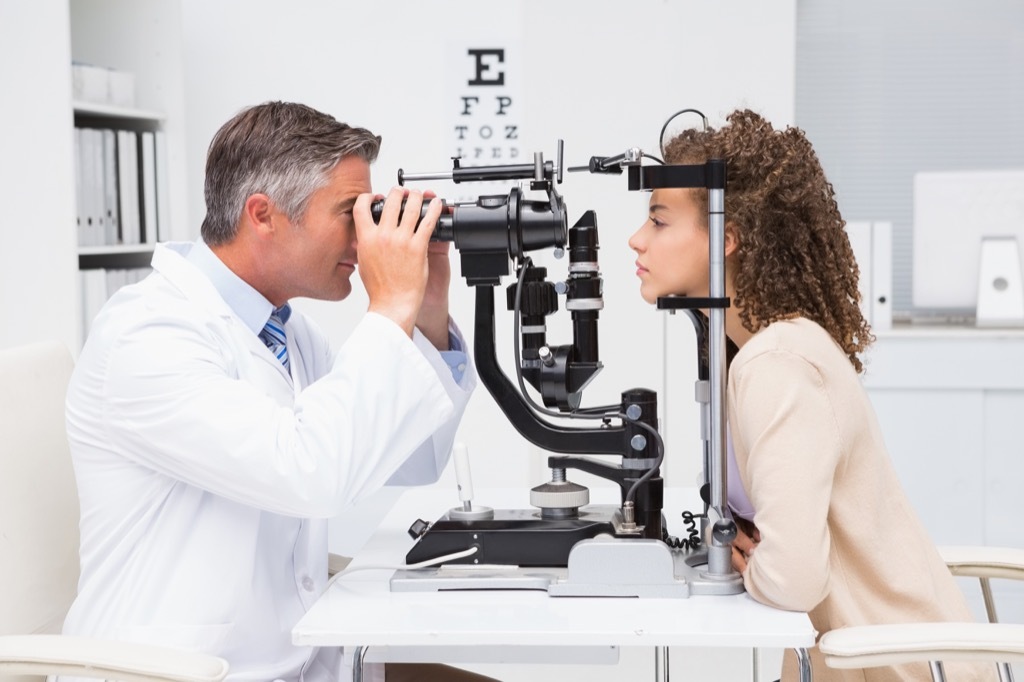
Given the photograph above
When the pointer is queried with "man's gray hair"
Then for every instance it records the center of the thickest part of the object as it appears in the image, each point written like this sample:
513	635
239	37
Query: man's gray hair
281	149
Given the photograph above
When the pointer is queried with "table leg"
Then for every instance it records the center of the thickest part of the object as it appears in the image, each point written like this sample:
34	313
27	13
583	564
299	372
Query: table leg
661	664
357	663
804	662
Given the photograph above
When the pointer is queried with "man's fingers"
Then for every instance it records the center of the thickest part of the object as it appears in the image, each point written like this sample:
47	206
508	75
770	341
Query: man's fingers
411	211
361	210
392	206
429	222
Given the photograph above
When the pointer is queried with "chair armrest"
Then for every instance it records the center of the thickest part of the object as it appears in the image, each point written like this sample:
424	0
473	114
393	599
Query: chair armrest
984	562
336	563
105	659
868	646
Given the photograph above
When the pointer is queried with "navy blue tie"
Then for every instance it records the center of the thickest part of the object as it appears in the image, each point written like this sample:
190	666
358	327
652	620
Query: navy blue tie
273	333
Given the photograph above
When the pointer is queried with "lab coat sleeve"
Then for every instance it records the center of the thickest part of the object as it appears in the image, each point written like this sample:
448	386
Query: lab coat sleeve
782	416
427	463
173	404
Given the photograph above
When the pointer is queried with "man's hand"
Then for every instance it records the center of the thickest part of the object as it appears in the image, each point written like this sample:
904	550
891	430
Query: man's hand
747	539
433	317
393	255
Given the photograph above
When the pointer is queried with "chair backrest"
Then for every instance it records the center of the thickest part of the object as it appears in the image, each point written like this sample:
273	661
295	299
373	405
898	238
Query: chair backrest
39	509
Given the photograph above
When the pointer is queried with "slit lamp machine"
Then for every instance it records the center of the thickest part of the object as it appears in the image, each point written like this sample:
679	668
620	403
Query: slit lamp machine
565	545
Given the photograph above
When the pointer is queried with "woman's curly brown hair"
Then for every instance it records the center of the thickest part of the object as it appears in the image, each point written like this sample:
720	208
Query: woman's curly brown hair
794	256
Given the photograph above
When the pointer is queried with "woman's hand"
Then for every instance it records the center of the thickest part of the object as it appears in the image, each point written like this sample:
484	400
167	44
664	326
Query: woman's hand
747	539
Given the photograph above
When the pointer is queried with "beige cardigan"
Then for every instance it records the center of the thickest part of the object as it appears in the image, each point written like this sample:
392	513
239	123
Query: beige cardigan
838	537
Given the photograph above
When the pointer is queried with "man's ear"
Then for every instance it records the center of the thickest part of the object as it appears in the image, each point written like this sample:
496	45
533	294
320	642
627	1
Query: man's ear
732	239
259	212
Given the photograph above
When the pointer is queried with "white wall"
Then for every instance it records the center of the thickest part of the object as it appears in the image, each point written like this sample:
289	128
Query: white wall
602	75
39	263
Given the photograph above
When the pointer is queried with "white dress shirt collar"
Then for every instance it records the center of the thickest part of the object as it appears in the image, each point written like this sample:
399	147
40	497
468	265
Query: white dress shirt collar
248	304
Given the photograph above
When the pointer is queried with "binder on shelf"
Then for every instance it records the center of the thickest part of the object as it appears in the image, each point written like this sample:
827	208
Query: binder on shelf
94	296
111	211
872	247
881	276
79	190
115	279
859	234
99	284
163	190
85	170
128	185
149	194
100	199
92	186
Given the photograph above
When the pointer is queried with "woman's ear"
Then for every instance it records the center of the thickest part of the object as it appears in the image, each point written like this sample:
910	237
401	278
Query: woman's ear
732	239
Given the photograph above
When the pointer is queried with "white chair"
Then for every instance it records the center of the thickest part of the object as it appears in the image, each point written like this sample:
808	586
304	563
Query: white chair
881	645
39	540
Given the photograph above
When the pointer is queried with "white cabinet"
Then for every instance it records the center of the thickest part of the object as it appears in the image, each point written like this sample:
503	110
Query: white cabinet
39	258
142	39
951	405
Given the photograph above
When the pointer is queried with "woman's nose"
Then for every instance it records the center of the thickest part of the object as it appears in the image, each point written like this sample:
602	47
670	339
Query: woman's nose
635	242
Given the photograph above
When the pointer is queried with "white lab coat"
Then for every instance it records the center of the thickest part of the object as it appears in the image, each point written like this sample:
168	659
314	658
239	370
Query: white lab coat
206	473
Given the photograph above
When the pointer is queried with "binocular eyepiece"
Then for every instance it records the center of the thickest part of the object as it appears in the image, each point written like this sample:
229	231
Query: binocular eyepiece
443	231
505	223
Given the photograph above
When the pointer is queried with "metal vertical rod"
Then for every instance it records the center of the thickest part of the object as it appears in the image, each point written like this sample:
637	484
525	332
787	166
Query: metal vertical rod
804	663
357	663
990	604
938	671
716	367
1005	671
661	664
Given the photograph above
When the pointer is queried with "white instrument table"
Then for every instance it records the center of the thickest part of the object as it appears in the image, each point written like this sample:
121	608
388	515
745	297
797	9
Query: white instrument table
359	610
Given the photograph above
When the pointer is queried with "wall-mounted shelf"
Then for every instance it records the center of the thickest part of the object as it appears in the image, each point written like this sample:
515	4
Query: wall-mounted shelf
114	257
111	111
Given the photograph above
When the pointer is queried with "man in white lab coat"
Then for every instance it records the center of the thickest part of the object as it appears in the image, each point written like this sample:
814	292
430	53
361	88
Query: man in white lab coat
213	431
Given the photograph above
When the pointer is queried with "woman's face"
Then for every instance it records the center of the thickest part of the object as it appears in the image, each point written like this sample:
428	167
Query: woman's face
672	247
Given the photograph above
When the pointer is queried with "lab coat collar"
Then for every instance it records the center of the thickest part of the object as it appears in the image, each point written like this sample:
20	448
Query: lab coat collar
251	307
170	260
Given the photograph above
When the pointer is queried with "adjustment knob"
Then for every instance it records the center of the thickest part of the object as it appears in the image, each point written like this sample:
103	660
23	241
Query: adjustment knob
560	495
724	531
418	528
538	297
